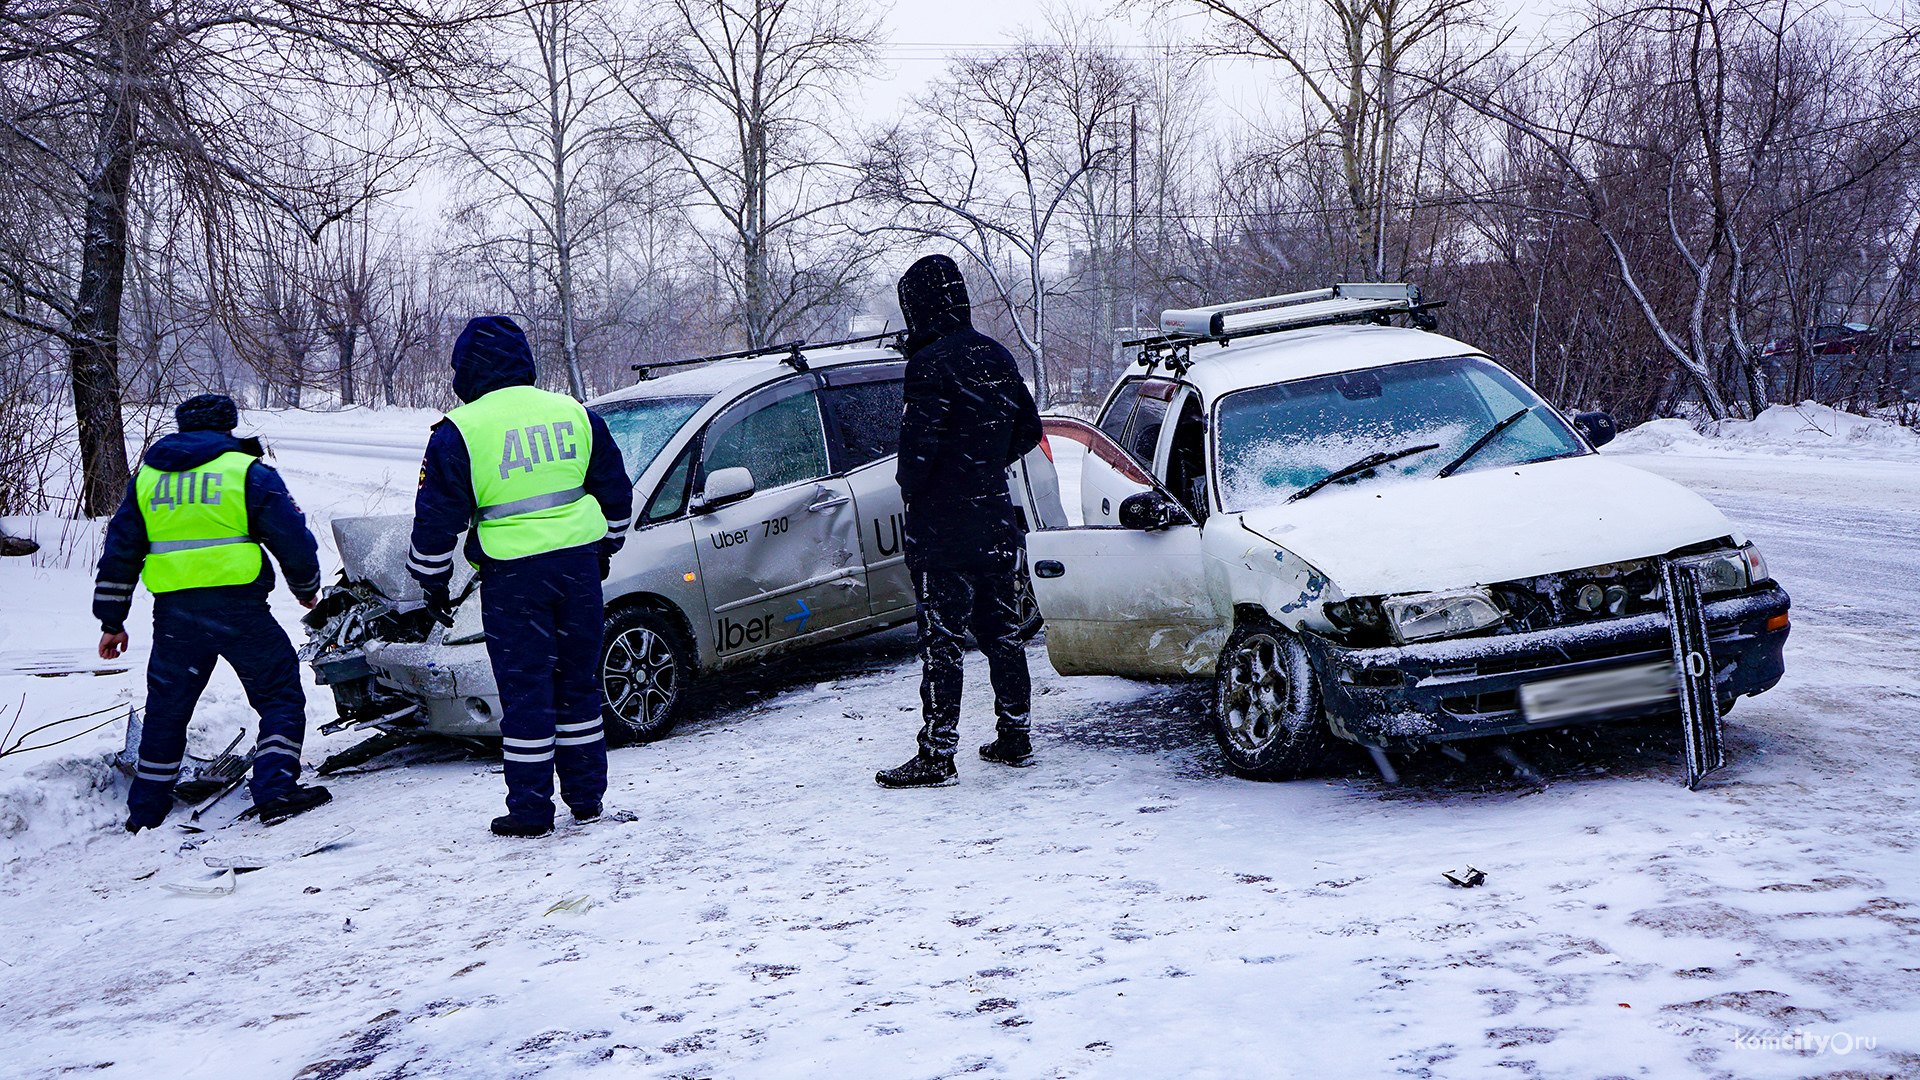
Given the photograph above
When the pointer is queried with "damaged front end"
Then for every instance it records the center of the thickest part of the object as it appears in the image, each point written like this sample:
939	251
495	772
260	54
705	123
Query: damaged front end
390	666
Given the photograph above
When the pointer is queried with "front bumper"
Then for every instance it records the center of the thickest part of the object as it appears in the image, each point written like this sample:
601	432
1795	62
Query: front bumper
1399	697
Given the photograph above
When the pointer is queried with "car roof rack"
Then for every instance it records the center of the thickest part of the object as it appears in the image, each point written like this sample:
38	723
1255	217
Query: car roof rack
791	349
1351	301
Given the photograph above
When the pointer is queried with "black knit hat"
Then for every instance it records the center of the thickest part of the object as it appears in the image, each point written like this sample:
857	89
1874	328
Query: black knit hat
208	412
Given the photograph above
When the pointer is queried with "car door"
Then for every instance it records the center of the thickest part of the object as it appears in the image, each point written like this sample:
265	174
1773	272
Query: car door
1120	601
783	563
864	406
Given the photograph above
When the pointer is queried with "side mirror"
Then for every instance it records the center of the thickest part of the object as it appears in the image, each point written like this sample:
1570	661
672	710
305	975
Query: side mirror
724	486
1596	427
1152	511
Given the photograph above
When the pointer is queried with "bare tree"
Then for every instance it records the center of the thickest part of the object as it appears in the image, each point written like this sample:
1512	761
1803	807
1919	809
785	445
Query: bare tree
1667	129
1364	65
558	163
119	95
991	162
741	92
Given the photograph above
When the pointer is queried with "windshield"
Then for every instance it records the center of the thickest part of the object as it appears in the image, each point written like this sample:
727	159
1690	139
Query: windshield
642	427
1277	440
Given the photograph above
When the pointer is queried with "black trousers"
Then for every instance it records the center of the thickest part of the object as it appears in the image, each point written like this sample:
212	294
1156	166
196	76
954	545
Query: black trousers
952	602
543	617
186	645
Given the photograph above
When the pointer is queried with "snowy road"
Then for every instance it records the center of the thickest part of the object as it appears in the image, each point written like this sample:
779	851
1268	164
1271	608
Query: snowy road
1124	908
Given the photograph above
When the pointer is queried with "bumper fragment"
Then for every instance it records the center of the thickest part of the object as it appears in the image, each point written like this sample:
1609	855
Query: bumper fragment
1400	697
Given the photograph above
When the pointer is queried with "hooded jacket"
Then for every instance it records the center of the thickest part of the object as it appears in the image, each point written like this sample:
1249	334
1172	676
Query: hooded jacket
273	519
968	417
492	354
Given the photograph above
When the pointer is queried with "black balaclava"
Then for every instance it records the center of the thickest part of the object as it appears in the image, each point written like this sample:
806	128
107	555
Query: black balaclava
207	412
490	353
933	300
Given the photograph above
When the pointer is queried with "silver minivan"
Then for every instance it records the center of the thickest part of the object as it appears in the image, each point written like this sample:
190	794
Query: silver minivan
766	520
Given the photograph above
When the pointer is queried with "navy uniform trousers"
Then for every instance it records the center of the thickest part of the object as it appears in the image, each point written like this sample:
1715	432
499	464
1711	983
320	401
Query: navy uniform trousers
544	620
186	644
951	603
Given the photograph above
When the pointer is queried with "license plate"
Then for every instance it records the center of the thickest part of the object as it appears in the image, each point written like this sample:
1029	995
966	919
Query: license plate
1599	691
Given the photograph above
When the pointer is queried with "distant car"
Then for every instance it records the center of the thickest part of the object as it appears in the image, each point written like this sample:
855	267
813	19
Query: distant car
1827	339
767	520
1379	535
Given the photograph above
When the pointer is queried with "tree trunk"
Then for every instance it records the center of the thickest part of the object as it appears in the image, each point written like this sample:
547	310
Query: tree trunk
345	340
94	366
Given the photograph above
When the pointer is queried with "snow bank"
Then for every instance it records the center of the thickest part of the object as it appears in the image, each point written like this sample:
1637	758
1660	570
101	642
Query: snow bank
1808	429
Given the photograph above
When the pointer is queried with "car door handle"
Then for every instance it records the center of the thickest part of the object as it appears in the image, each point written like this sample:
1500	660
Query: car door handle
1049	568
832	500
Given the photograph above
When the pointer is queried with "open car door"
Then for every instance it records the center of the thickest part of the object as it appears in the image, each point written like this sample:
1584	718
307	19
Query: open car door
1119	601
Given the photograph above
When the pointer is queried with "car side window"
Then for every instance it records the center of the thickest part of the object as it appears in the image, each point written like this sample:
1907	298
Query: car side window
670	498
1114	423
868	415
1143	431
779	440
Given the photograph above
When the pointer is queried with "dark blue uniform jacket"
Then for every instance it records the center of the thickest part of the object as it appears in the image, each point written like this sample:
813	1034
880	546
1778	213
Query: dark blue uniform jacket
445	504
272	518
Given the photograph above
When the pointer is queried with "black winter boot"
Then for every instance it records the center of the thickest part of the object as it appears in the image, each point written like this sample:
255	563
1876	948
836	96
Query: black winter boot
584	814
921	771
1014	750
298	801
508	825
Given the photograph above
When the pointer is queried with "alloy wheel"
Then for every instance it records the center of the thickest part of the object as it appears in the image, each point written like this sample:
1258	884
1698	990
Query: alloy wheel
637	676
1253	703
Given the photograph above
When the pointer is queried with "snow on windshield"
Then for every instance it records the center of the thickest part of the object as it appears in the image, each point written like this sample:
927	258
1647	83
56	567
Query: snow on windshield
642	427
1276	440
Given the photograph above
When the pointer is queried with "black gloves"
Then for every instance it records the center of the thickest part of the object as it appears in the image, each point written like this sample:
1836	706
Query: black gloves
606	564
439	603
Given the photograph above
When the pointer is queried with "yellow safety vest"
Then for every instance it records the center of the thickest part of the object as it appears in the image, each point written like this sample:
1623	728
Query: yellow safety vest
197	529
528	450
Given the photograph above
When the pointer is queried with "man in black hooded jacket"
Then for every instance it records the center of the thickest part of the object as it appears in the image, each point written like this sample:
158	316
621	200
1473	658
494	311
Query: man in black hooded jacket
540	481
192	526
968	418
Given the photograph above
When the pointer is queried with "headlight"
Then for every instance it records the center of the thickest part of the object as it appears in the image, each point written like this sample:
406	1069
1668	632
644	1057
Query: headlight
1730	571
1432	615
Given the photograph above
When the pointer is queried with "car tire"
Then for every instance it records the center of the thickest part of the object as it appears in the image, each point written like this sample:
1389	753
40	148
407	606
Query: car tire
645	667
1266	705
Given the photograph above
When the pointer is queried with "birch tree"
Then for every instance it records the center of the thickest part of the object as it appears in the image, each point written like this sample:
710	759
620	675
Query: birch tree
991	162
743	95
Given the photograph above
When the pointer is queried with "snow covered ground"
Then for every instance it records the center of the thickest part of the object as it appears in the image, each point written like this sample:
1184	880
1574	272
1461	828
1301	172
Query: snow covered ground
1124	908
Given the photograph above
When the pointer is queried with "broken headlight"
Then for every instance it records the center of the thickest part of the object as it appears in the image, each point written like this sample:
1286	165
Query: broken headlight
1432	615
1731	571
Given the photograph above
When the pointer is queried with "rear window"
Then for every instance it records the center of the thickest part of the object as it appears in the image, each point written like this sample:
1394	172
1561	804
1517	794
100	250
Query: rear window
869	417
642	427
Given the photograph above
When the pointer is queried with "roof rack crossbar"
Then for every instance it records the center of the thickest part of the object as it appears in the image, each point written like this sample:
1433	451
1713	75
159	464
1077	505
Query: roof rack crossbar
791	349
1368	301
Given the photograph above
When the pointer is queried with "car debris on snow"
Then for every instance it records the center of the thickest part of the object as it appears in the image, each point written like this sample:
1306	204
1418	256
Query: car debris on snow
1467	878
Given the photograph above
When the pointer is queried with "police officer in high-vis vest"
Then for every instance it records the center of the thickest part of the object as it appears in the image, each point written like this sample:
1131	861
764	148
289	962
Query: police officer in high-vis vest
537	482
192	527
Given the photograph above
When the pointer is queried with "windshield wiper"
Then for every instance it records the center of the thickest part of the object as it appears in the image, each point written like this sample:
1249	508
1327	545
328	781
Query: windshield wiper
1371	461
1483	440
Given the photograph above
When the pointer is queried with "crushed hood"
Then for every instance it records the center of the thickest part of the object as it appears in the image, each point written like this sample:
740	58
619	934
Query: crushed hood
1490	525
374	550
